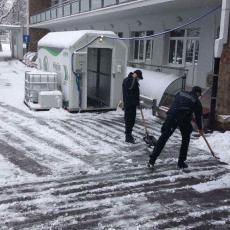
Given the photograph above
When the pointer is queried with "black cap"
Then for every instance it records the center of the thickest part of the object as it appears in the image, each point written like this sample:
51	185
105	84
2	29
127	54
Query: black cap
197	89
139	74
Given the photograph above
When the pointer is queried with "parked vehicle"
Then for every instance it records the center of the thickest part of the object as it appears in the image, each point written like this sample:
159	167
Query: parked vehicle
30	59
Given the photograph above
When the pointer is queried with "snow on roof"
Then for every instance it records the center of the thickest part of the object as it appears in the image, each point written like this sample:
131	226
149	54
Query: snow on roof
154	83
5	26
67	39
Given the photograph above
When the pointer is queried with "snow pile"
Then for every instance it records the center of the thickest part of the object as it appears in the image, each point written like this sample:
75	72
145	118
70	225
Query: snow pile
67	39
219	143
221	147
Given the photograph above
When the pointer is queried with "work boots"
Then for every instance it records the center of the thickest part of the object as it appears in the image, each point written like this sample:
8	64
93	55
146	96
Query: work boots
129	138
152	161
182	165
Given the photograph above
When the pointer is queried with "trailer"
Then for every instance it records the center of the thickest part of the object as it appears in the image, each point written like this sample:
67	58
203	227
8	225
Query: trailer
90	66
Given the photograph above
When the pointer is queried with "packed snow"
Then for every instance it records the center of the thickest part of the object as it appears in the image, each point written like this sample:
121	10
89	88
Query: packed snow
61	151
12	93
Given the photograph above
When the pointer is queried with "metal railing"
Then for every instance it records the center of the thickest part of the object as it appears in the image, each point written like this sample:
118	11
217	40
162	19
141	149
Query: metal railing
73	7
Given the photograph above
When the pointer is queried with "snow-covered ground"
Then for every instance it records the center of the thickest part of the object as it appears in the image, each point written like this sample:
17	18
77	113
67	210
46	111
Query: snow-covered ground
45	155
12	93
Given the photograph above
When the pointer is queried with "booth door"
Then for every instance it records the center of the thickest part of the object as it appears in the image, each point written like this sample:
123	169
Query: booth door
99	63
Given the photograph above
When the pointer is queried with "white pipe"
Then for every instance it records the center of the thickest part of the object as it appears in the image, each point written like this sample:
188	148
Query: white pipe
224	26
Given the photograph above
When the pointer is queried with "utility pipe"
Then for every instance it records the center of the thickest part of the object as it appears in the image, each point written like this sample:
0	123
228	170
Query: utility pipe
218	49
224	25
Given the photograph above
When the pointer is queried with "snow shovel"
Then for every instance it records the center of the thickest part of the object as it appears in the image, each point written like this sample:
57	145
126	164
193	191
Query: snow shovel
206	141
149	140
212	152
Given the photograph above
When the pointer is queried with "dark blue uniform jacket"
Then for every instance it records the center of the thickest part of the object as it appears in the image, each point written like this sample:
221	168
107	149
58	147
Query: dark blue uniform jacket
131	93
185	104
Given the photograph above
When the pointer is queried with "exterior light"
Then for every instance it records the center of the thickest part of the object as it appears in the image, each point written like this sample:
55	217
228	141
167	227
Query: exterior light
101	38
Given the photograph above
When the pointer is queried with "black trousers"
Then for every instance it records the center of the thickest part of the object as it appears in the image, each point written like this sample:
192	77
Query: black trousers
130	117
169	126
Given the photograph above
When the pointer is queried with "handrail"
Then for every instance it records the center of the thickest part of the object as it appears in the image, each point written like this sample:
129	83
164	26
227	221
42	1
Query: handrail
37	17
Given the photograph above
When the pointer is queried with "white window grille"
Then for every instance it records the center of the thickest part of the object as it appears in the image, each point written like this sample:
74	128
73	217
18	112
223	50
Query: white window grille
184	46
142	49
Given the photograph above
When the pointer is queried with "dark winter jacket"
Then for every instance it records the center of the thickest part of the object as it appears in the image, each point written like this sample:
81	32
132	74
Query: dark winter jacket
184	105
131	93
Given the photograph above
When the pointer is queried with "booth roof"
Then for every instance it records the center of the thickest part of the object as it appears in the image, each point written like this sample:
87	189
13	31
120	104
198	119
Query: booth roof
66	39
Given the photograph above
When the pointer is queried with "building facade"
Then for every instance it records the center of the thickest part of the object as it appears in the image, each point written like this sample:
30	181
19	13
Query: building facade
180	46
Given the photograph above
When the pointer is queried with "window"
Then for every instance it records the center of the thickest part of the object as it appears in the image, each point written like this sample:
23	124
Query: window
85	6
95	4
59	12
109	2
54	13
184	46
142	49
67	10
120	34
48	15
75	7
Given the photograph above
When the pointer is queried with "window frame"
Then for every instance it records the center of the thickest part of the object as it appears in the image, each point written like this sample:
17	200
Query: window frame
185	38
142	45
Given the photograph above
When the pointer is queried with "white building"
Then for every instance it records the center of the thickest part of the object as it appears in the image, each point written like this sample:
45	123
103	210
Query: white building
190	47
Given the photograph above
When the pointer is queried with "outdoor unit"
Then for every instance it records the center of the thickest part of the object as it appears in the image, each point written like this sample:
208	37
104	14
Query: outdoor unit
90	66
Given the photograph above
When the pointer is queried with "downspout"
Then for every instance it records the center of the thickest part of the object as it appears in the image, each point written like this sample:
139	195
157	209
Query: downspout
219	43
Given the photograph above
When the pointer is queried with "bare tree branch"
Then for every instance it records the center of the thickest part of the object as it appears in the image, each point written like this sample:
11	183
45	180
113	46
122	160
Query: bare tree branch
6	8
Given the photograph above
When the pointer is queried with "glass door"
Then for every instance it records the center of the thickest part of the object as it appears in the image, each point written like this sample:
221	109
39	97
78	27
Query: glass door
191	60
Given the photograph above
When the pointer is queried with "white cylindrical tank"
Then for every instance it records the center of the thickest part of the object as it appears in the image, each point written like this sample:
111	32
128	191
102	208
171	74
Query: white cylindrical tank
155	84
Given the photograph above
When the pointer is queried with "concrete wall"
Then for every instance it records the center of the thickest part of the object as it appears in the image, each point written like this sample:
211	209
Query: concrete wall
36	34
36	6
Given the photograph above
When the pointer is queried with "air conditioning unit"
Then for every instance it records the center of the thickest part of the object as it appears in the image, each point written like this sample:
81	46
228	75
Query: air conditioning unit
50	99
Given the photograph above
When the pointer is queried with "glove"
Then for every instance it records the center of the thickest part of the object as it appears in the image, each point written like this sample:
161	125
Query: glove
201	132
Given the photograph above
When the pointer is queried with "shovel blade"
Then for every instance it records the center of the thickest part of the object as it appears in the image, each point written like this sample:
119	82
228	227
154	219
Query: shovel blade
150	140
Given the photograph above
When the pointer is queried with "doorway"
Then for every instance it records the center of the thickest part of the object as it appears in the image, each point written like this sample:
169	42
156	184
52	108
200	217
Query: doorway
99	77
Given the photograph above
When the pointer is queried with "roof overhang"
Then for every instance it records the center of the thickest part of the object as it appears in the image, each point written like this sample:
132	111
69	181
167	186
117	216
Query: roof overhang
10	27
141	7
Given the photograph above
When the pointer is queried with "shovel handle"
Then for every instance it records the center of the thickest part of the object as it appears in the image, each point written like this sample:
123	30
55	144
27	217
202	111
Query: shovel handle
206	141
143	119
212	152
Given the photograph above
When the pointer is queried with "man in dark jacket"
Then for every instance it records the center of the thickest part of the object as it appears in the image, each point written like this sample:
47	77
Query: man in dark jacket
180	115
131	100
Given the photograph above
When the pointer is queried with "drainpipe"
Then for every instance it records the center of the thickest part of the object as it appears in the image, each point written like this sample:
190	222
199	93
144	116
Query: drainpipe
219	43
